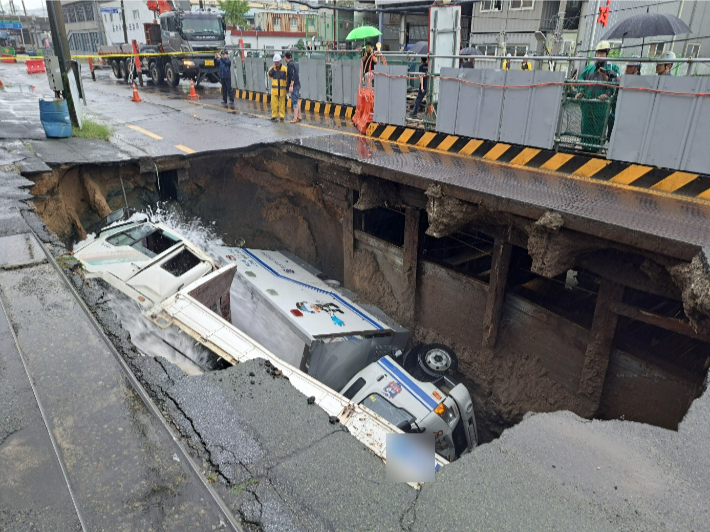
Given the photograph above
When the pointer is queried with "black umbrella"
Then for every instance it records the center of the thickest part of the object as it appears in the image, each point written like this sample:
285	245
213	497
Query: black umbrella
471	50
647	25
419	48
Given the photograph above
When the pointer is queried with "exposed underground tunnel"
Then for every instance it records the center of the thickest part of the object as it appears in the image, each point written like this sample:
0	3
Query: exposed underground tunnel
542	317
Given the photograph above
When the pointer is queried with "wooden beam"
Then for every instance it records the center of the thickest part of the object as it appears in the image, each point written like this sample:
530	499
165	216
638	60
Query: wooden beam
500	263
410	256
669	324
596	359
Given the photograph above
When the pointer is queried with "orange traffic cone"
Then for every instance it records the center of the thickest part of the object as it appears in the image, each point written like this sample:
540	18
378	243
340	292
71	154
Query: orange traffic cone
135	98
193	95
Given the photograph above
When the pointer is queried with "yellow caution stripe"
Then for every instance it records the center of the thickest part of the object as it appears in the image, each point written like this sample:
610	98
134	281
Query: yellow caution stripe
579	164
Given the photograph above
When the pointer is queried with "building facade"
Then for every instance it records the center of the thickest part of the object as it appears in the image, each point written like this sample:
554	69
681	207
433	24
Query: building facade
84	26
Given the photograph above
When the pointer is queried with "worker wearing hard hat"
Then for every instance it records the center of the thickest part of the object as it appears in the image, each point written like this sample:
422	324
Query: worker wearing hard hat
594	114
633	68
279	75
664	69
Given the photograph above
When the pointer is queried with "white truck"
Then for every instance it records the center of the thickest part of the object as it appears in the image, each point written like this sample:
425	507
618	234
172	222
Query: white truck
252	303
312	324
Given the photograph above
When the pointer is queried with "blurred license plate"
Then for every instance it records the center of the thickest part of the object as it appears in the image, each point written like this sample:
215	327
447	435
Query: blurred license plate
209	62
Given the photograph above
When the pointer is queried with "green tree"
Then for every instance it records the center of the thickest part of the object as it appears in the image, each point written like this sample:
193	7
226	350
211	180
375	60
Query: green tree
234	11
300	44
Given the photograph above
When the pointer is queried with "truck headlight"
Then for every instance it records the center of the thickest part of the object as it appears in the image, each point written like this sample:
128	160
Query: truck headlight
188	63
445	413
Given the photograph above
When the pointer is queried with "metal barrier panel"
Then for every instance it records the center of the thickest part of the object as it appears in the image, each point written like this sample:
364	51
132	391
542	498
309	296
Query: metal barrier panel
260	78
320	79
661	128
696	157
530	114
345	75
391	95
447	110
480	107
633	116
238	72
303	75
671	118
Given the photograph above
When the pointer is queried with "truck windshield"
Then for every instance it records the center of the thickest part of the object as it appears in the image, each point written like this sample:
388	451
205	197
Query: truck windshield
397	416
201	25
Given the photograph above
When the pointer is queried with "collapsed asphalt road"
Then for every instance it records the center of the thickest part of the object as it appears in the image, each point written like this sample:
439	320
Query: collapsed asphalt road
281	465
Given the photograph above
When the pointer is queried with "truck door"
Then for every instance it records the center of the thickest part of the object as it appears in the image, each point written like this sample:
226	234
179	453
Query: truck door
169	32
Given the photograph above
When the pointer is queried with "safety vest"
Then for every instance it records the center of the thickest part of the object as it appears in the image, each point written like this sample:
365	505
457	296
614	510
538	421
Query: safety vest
278	78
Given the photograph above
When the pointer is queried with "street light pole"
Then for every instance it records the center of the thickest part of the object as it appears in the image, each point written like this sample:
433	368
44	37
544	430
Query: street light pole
123	18
61	50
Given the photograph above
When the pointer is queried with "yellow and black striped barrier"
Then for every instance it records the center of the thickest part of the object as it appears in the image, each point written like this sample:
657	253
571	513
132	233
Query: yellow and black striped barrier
310	106
635	175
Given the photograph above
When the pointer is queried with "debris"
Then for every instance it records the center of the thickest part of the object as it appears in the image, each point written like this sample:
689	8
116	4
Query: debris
311	400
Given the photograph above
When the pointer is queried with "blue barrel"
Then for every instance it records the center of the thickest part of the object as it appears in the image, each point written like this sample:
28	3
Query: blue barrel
54	115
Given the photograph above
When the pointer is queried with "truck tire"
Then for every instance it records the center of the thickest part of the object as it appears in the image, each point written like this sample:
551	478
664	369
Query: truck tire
116	68
123	70
157	74
171	75
437	360
212	78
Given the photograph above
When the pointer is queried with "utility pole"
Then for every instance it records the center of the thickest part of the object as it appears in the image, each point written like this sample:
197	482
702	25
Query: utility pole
125	28
24	8
61	50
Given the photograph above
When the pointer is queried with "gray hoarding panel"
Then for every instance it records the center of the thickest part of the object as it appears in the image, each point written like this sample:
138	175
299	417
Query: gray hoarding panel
672	117
398	95
480	107
355	67
336	72
320	80
238	72
633	113
303	75
696	157
248	67
446	112
530	114
382	95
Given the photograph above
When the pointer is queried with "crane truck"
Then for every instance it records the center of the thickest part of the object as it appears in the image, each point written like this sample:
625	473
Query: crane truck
193	35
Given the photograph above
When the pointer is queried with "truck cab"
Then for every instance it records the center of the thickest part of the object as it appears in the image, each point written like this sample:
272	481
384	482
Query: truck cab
445	409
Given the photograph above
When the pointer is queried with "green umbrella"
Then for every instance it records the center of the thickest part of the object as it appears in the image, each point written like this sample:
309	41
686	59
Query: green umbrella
363	32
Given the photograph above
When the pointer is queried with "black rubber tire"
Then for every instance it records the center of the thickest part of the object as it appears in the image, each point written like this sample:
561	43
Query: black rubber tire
213	78
157	74
116	68
437	360
123	69
171	75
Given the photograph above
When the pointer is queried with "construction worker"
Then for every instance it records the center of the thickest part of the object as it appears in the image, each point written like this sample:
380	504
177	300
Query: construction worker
596	113
278	74
225	76
664	69
633	68
526	65
294	86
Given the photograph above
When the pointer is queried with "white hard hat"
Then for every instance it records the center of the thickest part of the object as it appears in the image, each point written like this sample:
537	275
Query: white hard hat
668	55
277	58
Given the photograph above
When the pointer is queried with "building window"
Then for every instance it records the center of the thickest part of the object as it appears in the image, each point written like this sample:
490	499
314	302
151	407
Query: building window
521	4
135	14
277	24
516	50
656	49
111	16
105	18
488	49
89	10
294	24
80	13
491	5
692	50
310	23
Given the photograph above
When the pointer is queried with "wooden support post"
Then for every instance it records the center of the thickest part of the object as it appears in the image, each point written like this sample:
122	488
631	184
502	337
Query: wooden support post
348	241
410	257
500	263
596	359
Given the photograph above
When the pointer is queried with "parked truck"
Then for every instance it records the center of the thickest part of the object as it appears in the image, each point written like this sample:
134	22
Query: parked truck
194	35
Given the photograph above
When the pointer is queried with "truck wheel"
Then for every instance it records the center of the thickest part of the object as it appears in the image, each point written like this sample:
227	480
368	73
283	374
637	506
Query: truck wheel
212	78
116	69
171	75
123	70
436	360
156	73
